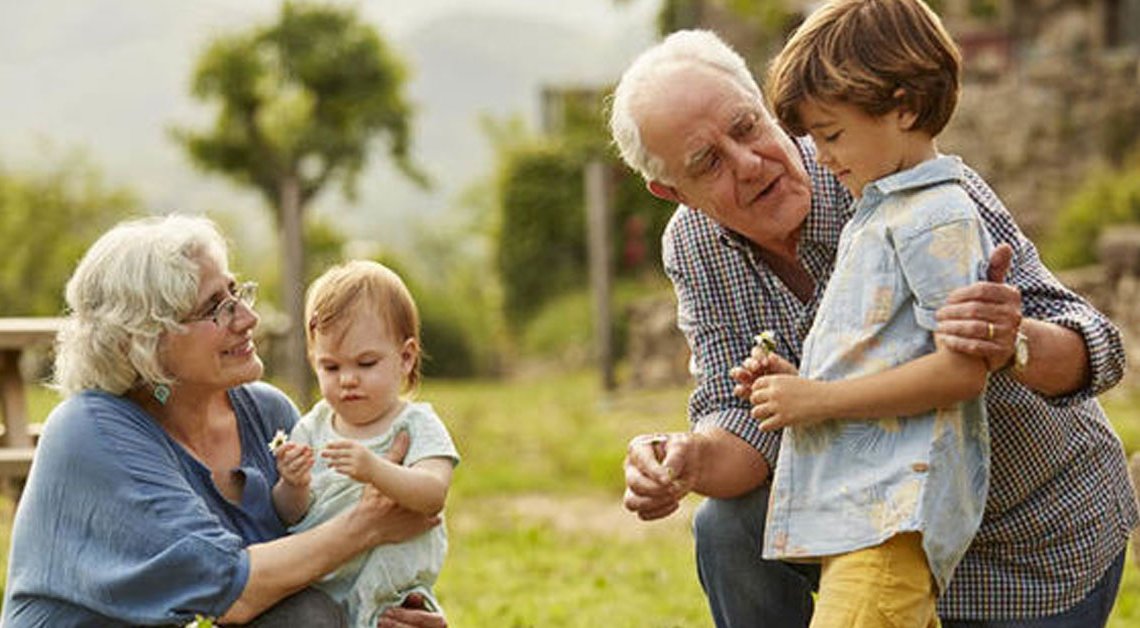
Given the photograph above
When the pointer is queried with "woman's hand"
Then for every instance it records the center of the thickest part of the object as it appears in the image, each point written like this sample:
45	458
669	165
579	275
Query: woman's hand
294	462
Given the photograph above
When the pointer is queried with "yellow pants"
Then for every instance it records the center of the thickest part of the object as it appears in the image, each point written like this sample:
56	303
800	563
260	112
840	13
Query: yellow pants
886	586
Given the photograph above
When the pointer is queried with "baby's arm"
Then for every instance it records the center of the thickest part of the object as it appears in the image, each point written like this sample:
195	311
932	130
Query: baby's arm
291	493
421	487
935	380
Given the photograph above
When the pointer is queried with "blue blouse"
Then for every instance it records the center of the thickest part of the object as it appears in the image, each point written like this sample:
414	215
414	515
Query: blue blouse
119	525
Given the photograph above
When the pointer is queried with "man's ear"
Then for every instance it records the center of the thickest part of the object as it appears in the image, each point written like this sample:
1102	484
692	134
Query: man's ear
662	191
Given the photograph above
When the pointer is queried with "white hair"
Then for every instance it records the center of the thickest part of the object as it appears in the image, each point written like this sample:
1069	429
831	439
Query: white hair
136	282
680	49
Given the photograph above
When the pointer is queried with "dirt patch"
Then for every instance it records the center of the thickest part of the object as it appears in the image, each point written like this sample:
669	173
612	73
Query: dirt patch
576	514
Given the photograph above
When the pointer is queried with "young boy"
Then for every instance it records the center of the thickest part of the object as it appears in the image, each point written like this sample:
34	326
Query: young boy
364	344
888	505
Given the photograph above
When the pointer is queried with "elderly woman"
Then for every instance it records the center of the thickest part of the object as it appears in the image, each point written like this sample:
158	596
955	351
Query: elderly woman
150	498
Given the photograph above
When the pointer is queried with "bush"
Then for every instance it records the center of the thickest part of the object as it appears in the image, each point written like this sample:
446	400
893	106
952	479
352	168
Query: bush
1107	198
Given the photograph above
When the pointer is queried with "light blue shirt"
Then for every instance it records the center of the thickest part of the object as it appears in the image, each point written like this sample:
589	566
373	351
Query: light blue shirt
120	526
843	485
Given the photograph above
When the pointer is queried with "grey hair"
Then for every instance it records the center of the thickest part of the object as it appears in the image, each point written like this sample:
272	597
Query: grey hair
680	49
136	282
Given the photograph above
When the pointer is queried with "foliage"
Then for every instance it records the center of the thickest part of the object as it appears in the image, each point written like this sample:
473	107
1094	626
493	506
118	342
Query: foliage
302	97
47	220
299	104
1107	198
562	331
541	231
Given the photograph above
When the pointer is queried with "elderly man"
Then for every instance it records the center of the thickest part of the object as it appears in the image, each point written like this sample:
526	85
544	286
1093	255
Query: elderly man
750	248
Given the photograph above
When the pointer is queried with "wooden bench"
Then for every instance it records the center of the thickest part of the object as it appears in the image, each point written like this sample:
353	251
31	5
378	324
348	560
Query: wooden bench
17	441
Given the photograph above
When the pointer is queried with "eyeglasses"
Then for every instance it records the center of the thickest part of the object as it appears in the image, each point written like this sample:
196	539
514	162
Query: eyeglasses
223	313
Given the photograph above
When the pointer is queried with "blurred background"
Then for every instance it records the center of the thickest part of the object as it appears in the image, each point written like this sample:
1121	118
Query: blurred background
451	140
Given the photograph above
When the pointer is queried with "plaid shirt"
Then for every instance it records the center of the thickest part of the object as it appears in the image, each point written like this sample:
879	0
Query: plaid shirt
1060	505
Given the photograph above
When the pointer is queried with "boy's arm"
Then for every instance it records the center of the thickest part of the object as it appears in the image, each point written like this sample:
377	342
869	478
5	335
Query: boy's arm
932	381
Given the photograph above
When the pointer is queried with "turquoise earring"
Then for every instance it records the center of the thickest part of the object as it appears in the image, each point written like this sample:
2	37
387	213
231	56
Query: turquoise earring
161	393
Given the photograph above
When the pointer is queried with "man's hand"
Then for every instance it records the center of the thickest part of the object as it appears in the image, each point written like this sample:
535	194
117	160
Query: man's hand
982	319
660	469
397	617
782	400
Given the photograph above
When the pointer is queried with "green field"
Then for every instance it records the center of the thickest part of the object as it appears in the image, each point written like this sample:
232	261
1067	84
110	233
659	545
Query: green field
538	535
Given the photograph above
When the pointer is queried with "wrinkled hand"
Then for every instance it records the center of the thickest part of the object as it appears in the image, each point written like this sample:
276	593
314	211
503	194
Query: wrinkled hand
397	617
294	462
982	319
758	364
782	400
660	469
384	521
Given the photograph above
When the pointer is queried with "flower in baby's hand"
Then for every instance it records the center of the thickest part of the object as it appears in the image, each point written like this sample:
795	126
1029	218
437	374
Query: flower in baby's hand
279	439
200	622
766	340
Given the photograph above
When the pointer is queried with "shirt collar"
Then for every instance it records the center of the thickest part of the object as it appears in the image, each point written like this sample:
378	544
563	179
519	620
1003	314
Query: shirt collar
941	169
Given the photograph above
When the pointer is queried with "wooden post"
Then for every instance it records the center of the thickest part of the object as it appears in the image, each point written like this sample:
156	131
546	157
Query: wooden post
601	267
296	367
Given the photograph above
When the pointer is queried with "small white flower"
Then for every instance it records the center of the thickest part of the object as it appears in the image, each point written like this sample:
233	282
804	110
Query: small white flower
766	340
200	622
279	439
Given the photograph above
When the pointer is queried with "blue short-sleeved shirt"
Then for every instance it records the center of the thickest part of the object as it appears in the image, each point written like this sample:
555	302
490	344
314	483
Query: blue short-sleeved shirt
119	525
843	485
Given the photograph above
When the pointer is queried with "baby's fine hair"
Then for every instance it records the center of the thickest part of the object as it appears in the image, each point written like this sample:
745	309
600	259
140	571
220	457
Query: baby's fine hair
347	288
862	53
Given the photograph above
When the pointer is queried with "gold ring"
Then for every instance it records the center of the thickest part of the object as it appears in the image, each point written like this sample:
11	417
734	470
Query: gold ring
991	331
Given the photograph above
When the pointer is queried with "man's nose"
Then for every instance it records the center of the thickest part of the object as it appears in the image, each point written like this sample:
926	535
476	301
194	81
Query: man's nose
748	163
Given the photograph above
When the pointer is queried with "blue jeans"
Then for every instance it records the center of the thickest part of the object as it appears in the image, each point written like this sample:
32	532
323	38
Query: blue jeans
745	590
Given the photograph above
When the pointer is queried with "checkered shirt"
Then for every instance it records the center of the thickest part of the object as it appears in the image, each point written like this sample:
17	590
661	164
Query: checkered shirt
1060	505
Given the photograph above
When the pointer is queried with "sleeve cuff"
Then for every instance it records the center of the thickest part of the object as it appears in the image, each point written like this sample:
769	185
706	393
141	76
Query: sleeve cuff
738	422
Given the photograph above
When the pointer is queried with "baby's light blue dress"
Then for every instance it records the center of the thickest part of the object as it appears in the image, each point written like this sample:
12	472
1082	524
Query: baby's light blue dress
382	577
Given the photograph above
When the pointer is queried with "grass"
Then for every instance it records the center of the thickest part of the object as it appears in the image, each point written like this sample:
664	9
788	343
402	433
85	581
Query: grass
538	536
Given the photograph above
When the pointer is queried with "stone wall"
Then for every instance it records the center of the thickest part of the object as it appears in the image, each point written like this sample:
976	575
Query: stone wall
1113	287
1036	132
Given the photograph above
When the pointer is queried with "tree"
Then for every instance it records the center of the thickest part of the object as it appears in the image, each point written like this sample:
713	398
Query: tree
300	103
48	218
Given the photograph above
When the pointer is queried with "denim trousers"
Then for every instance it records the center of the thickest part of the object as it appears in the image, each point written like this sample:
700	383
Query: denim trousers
745	591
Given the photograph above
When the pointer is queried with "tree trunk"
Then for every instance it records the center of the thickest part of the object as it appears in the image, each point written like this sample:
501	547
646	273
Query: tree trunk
296	367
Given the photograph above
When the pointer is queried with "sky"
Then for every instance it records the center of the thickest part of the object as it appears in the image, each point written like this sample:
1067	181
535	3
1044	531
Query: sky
110	78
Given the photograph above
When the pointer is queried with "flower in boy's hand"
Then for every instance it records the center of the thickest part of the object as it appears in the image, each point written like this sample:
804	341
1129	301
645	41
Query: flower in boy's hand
766	340
200	622
279	439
